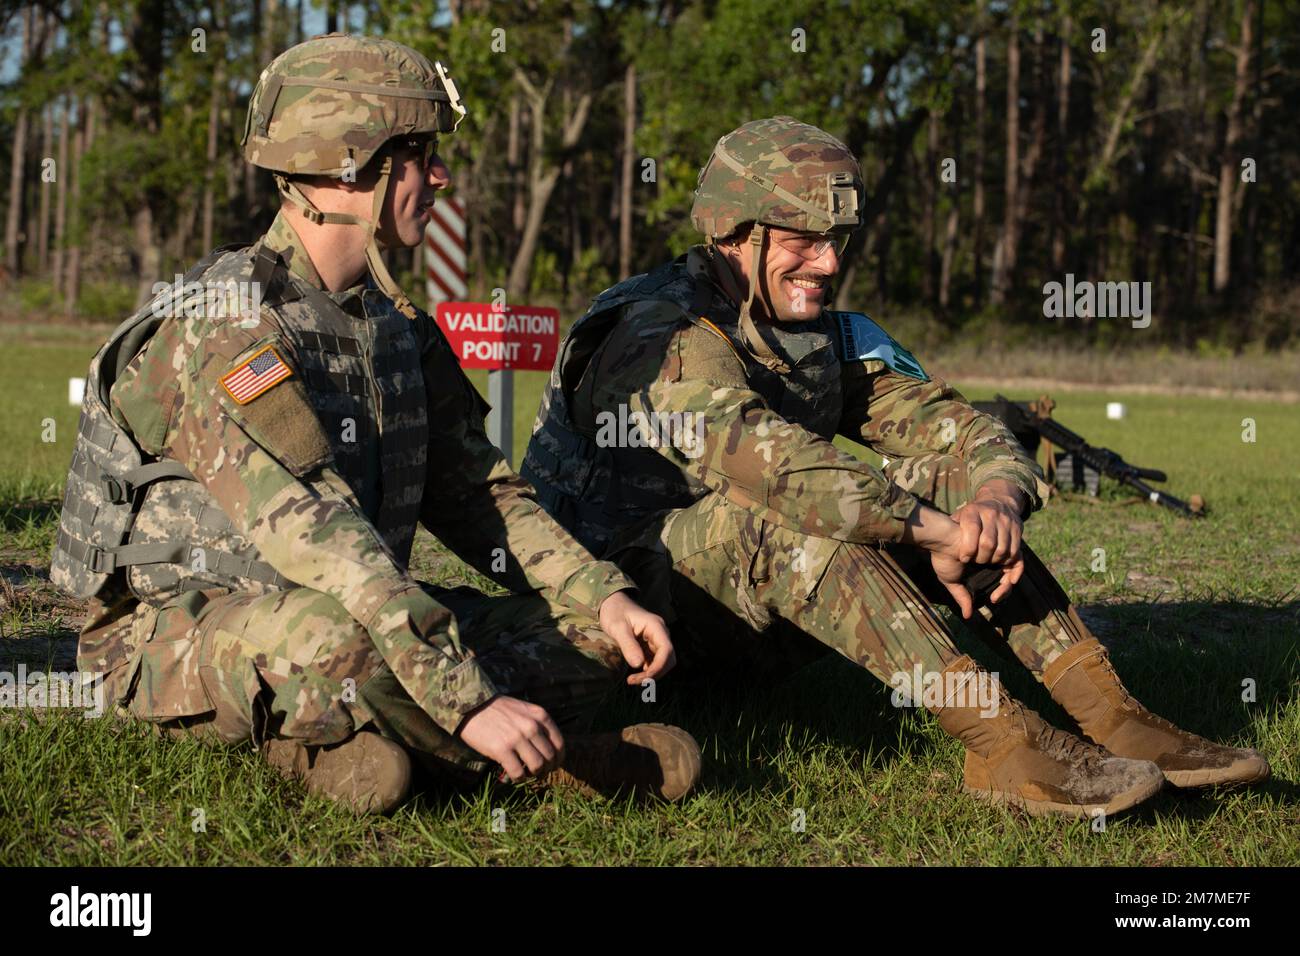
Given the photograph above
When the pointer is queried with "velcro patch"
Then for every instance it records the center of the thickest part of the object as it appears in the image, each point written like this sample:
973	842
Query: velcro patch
860	339
255	375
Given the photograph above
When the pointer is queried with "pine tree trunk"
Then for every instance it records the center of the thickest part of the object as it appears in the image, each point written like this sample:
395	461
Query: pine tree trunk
214	125
514	163
1229	168
1005	253
1060	207
95	118
252	201
14	211
46	188
977	210
72	278
629	163
1246	203
61	201
14	216
1146	209
929	190
953	219
146	33
1198	152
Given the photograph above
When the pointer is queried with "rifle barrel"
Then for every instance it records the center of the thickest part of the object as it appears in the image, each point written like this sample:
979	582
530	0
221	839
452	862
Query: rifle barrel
1099	459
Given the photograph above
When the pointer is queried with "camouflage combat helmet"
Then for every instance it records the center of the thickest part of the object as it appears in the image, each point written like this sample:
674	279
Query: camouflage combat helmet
776	172
327	107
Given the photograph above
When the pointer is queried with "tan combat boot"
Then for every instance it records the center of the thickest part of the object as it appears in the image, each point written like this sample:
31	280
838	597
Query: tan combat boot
1018	758
1084	682
646	758
367	772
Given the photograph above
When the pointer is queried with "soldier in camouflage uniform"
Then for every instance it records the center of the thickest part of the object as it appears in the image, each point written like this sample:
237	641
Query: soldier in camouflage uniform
686	434
247	480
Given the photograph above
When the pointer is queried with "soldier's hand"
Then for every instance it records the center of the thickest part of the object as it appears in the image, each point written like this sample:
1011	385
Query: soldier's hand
990	531
638	633
520	736
951	572
1011	572
950	569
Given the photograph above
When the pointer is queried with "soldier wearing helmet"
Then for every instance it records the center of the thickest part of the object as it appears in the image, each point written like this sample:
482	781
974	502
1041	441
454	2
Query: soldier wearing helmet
246	486
686	434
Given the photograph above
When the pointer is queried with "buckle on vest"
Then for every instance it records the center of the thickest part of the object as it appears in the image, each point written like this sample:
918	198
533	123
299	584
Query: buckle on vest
100	561
117	490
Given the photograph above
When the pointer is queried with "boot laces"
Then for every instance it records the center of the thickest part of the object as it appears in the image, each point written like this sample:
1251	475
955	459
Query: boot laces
1131	703
1126	699
1014	708
1149	717
1052	740
1059	743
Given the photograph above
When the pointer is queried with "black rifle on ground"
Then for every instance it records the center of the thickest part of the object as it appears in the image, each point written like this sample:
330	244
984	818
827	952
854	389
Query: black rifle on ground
1030	421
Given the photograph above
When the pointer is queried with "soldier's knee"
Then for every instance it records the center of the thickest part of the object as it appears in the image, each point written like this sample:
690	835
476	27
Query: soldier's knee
316	633
290	664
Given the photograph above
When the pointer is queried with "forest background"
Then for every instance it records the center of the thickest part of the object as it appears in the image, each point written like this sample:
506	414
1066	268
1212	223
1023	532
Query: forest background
1004	144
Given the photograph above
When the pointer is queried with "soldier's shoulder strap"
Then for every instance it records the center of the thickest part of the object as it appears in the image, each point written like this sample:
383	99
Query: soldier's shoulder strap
859	339
702	321
271	274
669	283
125	341
666	283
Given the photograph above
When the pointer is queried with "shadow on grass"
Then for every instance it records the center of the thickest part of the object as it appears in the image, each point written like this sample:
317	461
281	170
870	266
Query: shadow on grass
1186	662
1195	663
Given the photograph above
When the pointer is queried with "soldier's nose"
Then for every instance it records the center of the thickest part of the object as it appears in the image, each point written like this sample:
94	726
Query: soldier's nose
439	175
830	260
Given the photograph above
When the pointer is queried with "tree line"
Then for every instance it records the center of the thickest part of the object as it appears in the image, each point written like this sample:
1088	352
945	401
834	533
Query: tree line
1004	144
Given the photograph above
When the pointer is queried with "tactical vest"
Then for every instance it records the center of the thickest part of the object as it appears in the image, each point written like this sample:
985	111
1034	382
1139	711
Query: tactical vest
146	525
597	491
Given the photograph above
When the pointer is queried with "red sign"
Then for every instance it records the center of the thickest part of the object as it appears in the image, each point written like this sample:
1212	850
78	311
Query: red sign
487	336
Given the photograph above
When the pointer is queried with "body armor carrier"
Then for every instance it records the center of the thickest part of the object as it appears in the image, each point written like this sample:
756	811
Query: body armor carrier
131	522
597	492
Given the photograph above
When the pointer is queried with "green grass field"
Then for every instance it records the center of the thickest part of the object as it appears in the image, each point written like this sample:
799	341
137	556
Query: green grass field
1191	610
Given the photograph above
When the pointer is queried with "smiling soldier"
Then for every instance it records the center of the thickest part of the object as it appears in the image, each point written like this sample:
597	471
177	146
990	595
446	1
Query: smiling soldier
771	543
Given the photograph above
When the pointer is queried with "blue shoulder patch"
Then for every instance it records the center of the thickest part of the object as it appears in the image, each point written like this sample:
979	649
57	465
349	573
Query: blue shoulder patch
861	339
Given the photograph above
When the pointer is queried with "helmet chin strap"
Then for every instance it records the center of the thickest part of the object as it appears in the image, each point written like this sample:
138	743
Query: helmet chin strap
749	330
374	258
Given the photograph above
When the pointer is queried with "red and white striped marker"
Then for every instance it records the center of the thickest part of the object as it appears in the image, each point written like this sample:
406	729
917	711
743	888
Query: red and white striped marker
445	261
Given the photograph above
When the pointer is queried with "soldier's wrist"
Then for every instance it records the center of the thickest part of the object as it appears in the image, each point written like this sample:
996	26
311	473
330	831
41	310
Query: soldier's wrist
587	590
932	530
467	691
1004	492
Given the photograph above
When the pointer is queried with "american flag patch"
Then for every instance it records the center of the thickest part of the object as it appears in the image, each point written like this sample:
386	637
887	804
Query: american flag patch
251	378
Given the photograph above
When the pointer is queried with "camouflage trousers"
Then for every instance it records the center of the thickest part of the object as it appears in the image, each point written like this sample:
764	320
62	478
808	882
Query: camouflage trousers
737	588
229	667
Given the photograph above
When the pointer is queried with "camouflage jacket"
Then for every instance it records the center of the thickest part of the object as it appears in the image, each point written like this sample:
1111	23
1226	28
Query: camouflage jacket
670	357
271	463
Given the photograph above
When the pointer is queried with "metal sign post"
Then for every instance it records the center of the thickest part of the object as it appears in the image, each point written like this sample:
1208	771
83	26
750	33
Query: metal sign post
500	421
